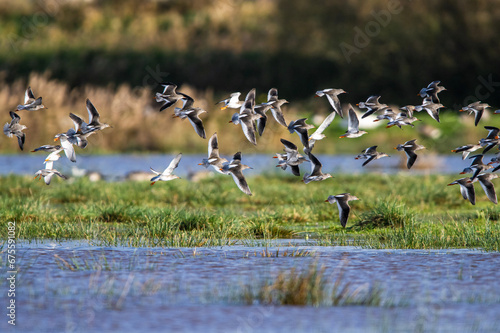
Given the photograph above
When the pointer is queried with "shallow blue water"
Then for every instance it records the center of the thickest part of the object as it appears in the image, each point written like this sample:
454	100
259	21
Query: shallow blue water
116	167
194	290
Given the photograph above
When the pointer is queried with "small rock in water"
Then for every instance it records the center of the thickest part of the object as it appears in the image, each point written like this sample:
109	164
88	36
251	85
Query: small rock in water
94	176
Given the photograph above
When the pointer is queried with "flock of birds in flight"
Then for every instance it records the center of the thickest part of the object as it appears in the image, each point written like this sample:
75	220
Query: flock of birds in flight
253	119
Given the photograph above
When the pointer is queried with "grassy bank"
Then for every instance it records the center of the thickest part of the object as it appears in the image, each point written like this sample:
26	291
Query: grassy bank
394	212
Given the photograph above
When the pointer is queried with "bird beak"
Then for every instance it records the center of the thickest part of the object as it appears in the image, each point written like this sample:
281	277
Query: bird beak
395	148
200	163
496	137
230	121
55	139
450	184
462	173
357	104
389	126
342	136
152	183
376	120
223	108
275	156
453	150
490	163
326	200
461	110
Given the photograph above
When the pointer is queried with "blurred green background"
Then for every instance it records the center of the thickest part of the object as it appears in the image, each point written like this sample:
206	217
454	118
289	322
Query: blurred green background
114	52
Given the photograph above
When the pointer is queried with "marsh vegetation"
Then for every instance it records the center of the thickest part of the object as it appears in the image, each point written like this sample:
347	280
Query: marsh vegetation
395	211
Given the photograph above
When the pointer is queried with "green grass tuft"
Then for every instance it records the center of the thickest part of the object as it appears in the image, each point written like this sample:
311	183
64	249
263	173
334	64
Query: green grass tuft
385	214
311	287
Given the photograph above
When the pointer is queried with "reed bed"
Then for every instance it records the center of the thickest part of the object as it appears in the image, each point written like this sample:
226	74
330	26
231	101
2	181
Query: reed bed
139	127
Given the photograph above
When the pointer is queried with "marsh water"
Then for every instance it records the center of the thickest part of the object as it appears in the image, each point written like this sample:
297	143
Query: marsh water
81	287
119	166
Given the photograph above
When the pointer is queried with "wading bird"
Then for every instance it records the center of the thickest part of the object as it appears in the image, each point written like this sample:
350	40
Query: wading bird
342	201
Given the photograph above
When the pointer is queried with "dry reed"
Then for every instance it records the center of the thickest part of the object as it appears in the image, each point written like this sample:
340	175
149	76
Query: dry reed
137	124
